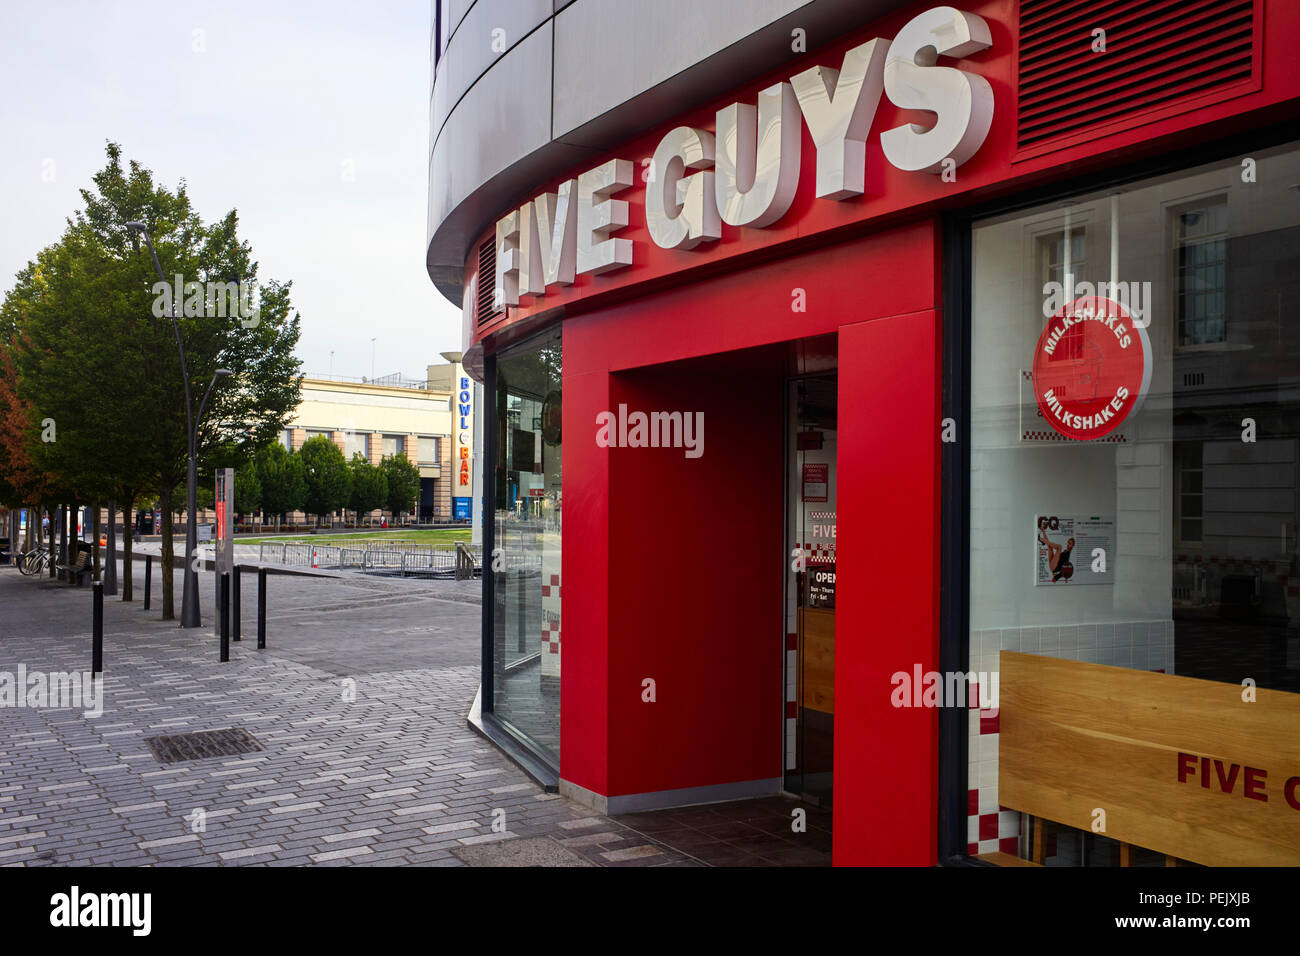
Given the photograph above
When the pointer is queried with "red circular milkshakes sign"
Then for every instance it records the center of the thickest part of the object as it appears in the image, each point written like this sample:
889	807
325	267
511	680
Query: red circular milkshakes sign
1092	368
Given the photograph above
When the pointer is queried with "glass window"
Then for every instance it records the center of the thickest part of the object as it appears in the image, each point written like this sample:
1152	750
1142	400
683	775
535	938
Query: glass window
1051	252
354	443
526	495
1191	495
394	445
429	449
1187	520
1201	271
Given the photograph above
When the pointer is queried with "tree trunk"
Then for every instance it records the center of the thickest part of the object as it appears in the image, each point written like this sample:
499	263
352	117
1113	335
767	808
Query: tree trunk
128	517
94	545
110	563
169	602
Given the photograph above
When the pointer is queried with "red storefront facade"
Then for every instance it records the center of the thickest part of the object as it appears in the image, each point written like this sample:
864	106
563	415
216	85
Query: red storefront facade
672	568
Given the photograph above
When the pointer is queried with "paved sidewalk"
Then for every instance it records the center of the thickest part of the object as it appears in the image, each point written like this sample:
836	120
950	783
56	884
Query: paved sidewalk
359	703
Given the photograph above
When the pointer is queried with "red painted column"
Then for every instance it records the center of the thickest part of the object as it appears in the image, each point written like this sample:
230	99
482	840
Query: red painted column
584	561
887	607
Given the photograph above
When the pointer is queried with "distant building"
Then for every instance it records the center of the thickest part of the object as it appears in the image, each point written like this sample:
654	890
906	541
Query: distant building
389	415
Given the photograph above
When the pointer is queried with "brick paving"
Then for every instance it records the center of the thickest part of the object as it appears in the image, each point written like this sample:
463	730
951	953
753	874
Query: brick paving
360	703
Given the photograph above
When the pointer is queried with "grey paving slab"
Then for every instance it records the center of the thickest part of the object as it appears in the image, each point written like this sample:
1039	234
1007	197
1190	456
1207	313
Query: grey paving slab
359	701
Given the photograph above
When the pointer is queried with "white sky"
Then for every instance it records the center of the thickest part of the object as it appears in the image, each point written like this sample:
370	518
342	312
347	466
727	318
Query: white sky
262	121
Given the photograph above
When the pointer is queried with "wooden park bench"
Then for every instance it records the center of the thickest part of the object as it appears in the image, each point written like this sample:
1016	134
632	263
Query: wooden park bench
78	567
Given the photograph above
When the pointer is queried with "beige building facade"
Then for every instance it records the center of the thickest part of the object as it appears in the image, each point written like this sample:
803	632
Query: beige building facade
386	416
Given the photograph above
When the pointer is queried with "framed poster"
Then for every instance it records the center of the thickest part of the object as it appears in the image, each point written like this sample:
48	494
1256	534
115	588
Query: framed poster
1074	549
816	481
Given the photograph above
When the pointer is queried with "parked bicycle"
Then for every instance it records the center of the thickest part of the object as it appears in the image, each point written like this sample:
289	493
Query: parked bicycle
34	561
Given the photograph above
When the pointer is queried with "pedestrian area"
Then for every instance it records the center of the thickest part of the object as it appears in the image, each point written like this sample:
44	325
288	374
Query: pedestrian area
355	749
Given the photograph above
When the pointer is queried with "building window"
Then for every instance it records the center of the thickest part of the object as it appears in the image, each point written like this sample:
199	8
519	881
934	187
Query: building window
525	491
286	439
1190	492
429	449
354	443
1052	258
1201	272
394	445
1085	542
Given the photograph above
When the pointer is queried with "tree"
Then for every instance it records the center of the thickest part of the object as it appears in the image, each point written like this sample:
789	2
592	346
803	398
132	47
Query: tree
22	483
369	485
98	352
248	489
329	481
403	483
284	485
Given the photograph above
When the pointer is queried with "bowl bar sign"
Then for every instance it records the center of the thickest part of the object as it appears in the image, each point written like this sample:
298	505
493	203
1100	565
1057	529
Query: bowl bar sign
746	171
462	448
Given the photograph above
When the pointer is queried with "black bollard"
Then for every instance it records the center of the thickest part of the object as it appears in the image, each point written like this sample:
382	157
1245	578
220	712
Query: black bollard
261	609
223	608
234	603
97	631
148	578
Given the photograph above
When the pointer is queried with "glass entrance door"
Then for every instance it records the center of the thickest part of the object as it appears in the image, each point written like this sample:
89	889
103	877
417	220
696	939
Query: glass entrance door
810	587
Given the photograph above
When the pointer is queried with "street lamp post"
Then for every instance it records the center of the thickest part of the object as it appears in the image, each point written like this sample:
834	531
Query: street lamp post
190	592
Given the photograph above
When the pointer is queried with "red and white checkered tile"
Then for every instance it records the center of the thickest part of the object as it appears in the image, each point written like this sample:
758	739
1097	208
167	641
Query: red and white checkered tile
550	616
1148	645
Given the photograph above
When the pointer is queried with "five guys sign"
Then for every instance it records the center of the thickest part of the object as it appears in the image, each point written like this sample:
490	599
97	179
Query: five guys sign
746	171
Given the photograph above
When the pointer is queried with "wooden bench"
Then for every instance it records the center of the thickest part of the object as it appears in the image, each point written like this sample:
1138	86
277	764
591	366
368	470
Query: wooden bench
1038	848
997	858
78	568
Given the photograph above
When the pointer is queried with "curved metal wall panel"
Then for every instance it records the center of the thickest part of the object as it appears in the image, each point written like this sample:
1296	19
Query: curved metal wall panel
475	47
584	75
501	119
631	46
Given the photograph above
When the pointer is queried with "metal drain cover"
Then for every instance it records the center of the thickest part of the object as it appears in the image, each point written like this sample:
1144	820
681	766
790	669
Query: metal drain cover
201	744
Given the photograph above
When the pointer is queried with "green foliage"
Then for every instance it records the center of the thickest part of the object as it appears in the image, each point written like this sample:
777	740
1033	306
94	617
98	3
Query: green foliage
329	480
284	485
369	485
248	489
403	483
96	348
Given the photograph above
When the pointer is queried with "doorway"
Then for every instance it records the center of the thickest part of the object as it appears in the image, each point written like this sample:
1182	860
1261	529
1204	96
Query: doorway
811	416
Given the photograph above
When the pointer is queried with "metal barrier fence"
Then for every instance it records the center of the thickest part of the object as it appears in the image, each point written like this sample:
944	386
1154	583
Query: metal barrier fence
407	558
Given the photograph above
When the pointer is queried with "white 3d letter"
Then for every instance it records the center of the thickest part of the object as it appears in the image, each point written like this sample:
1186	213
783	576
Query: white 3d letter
679	209
506	289
598	216
758	158
557	234
839	106
963	101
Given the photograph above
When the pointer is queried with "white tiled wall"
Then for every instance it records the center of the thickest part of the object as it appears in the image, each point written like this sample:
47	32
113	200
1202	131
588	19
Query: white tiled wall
1142	645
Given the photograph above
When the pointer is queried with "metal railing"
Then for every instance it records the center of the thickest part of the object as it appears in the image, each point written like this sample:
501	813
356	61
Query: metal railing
405	557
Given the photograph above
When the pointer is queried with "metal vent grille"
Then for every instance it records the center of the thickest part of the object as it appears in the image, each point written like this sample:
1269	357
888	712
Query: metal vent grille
484	310
1157	52
202	744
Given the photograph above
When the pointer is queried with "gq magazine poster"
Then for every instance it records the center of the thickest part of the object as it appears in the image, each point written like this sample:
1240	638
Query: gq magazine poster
1074	549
